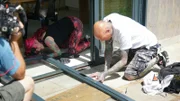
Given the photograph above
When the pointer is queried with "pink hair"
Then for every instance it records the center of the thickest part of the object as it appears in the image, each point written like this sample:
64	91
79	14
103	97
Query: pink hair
30	41
29	45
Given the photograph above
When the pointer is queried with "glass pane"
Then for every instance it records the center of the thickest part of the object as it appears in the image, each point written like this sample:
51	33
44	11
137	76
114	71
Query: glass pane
123	7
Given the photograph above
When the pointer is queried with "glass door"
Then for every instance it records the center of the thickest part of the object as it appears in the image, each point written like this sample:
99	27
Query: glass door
123	7
135	9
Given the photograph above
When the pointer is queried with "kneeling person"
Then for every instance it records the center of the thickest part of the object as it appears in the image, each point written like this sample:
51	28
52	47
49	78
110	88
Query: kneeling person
65	33
137	46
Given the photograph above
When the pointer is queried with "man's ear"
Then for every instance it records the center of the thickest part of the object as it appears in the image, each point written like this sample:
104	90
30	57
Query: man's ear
107	30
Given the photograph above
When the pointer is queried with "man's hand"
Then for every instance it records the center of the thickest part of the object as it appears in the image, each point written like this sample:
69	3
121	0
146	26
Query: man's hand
64	60
98	76
16	34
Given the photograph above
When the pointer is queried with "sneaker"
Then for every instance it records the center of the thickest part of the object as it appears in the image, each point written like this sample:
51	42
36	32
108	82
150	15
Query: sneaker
163	58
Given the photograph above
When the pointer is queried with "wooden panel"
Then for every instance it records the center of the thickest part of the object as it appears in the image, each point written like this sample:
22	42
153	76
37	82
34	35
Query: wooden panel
21	1
82	92
84	11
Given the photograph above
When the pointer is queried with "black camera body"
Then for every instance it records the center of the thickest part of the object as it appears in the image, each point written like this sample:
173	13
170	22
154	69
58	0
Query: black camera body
8	21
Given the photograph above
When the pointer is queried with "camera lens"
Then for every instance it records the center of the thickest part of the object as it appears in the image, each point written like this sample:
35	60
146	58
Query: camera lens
4	29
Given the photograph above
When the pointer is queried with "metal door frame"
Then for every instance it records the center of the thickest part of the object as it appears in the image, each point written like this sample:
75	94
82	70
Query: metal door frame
139	11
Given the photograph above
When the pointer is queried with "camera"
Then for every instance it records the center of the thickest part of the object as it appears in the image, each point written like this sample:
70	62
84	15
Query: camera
8	20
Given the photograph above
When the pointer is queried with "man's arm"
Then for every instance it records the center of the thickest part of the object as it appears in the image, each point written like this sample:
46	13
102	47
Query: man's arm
108	59
119	65
49	41
20	73
108	54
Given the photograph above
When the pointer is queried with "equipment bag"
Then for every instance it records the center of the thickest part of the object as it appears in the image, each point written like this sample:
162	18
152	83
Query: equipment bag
173	69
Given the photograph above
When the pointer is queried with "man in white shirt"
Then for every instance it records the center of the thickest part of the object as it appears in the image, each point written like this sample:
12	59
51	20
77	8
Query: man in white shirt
137	47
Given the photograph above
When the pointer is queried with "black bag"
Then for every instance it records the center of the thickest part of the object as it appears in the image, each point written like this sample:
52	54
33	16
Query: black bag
173	69
170	69
174	86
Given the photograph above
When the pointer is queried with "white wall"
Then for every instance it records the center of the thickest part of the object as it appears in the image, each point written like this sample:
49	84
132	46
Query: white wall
163	17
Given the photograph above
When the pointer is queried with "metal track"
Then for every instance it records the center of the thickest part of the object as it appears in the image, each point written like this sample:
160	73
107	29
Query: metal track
79	76
36	98
83	78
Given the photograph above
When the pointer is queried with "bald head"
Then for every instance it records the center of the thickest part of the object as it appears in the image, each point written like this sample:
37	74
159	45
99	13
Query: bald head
103	30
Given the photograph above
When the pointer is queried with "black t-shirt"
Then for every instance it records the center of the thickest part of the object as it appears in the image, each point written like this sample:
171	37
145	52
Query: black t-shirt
60	30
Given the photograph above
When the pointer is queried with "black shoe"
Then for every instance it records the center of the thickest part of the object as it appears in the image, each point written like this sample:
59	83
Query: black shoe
87	38
68	55
163	58
165	54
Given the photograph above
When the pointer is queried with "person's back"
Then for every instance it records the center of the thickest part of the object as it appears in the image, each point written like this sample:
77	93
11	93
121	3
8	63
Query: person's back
60	30
130	32
5	55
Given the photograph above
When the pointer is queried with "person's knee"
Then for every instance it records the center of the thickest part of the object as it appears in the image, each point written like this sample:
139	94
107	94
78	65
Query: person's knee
28	83
30	80
130	73
130	77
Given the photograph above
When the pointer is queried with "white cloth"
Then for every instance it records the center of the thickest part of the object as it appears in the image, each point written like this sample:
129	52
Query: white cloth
129	34
151	87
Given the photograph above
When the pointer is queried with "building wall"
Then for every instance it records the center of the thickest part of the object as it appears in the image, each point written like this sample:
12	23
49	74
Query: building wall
163	17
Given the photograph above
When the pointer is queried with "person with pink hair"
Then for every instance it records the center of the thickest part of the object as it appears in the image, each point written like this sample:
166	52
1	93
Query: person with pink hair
65	33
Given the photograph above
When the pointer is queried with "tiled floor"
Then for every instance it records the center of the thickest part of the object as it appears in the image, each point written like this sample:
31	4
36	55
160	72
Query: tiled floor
54	86
43	69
